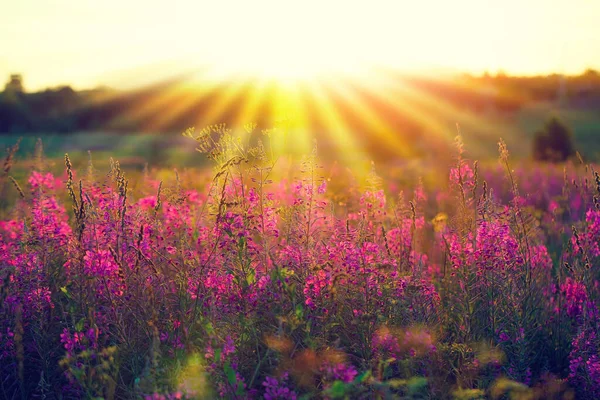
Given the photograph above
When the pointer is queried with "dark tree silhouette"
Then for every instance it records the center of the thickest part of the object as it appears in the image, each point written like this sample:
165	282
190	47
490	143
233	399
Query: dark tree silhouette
554	143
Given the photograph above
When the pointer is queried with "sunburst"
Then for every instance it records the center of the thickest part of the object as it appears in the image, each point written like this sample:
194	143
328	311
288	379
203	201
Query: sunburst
354	117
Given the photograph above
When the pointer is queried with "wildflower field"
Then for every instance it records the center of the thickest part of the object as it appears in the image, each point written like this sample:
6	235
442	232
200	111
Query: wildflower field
268	279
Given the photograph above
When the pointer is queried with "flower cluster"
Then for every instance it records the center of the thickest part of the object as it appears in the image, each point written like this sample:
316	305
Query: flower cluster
127	288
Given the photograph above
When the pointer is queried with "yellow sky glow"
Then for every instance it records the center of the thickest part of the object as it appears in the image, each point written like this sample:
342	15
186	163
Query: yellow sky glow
123	43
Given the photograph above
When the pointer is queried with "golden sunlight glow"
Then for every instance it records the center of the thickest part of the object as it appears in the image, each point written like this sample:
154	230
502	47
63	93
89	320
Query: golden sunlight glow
332	67
86	42
285	64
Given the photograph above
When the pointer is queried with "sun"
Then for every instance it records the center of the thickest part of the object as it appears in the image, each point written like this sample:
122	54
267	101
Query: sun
288	66
289	56
287	42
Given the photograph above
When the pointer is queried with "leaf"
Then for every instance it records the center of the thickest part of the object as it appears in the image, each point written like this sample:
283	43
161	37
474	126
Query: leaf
251	277
396	383
416	384
79	325
66	292
337	390
363	377
230	374
240	388
209	327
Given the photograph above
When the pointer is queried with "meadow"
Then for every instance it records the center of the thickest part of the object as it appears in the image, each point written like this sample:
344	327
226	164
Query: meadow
269	277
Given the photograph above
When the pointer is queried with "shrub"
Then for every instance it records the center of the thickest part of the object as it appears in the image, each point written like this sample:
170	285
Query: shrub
554	142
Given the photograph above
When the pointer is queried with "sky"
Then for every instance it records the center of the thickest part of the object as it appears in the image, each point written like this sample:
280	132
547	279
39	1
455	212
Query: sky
123	43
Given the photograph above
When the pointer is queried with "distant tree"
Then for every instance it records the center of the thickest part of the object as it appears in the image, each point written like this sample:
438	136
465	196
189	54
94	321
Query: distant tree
554	142
14	114
14	84
591	73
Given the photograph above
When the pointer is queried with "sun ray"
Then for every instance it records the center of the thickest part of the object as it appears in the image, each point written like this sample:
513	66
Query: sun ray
149	100
341	139
190	99
391	99
221	108
385	135
482	131
251	108
287	114
437	116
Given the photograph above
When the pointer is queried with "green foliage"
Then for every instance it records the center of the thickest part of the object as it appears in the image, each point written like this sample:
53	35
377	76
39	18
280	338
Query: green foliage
468	394
94	370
